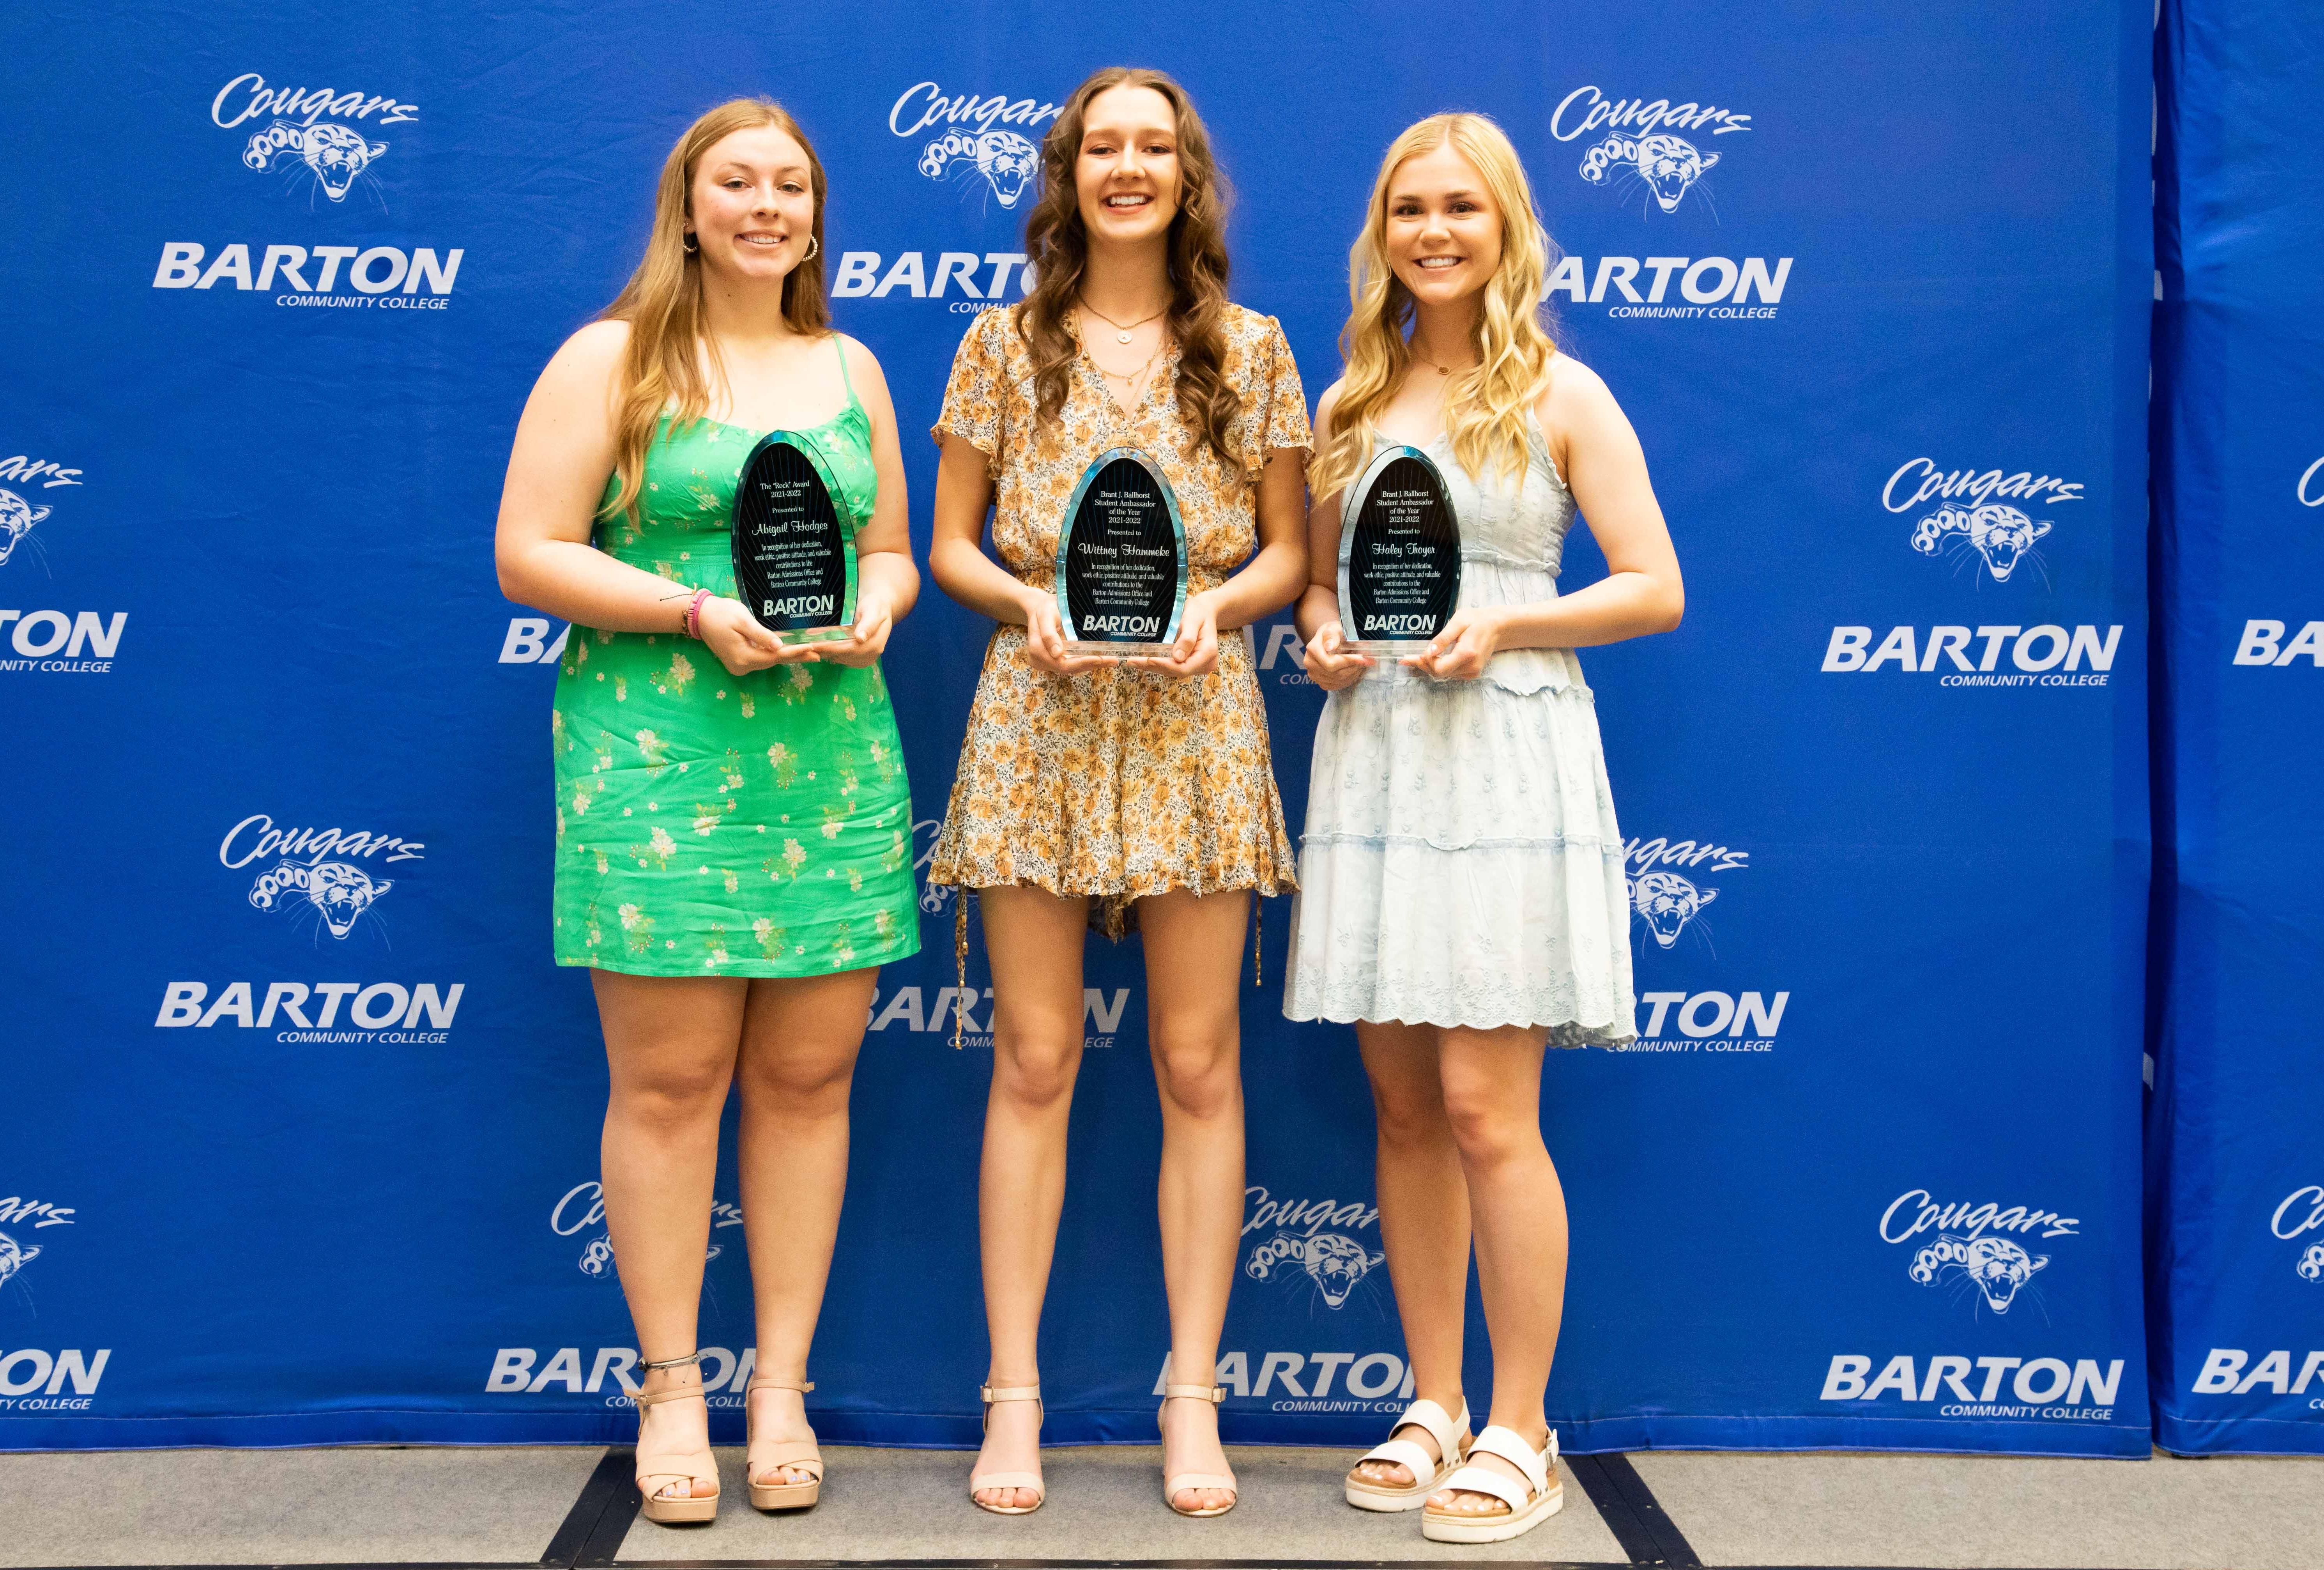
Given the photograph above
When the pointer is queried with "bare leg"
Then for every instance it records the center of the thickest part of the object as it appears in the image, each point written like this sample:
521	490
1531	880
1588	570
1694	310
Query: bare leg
1492	1097
1035	941
1193	961
1424	1216
799	1041
671	1044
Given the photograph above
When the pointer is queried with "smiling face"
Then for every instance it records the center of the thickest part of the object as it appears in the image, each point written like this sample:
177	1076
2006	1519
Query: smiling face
1126	178
753	205
1443	231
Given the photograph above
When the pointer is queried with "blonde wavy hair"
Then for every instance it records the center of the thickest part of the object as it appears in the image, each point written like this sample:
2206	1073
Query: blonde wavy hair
661	370
1485	408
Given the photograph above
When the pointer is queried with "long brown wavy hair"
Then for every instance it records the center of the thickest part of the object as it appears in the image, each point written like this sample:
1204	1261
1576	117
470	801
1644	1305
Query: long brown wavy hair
1058	247
661	370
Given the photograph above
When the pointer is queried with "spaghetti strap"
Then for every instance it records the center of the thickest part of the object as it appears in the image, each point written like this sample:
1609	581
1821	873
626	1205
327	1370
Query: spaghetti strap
845	379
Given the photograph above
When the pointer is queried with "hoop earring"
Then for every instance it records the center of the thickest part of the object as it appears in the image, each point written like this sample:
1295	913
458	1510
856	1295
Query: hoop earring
813	245
690	245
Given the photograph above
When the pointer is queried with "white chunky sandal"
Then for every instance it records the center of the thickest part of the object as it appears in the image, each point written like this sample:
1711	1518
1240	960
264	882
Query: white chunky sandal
1429	1471
1531	1502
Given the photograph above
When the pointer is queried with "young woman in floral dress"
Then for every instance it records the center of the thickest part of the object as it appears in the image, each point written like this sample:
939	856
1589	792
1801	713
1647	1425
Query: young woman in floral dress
1092	790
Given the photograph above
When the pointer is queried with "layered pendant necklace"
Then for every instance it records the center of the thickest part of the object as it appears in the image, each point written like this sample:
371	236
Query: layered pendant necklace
1122	331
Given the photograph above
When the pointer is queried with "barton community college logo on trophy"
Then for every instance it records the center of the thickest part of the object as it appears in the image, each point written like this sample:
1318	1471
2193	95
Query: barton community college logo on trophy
794	552
1121	559
1399	555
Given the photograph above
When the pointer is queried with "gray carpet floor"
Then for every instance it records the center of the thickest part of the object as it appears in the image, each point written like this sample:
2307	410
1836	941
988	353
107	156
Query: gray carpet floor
277	1507
1105	1503
502	1505
1942	1511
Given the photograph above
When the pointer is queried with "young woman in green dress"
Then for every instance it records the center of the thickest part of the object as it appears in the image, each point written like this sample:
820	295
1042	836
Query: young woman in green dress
733	829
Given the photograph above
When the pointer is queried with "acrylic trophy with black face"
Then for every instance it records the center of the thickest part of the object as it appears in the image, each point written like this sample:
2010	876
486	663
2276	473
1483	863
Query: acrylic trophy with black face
1121	559
794	548
1399	555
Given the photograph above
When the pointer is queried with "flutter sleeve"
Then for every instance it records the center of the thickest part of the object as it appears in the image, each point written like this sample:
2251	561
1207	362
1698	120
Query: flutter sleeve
1275	405
974	408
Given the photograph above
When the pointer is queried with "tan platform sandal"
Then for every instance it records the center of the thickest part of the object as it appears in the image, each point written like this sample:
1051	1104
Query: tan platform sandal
978	1481
1176	1483
1531	1502
657	1468
1429	1471
802	1454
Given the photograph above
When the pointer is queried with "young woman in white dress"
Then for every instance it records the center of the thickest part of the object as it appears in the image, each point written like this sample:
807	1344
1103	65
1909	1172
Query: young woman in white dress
1462	901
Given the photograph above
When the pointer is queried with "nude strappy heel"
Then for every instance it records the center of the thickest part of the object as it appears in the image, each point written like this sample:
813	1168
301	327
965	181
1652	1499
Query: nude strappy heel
1429	1473
979	1481
1531	1502
775	1453
657	1468
1176	1483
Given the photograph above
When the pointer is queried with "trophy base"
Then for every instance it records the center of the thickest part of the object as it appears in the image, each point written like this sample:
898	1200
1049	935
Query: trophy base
1121	650
814	634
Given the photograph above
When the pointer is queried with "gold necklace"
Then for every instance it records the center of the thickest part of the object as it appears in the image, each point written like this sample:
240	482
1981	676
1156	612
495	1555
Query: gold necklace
1440	370
1127	377
1121	332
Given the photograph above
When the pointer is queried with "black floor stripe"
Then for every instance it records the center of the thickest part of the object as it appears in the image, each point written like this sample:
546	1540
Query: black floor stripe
612	1524
1637	1542
1666	1544
605	1486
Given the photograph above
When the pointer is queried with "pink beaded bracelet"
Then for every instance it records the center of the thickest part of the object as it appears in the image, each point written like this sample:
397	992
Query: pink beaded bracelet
694	613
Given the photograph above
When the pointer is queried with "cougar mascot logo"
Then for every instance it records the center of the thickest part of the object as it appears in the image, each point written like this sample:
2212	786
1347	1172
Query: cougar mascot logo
340	891
1667	164
597	1256
1335	1263
17	517
1666	902
2002	536
1996	1266
335	153
14	1257
934	896
1006	160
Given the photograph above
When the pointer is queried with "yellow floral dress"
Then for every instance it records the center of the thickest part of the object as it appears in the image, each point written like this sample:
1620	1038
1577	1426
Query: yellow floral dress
1118	783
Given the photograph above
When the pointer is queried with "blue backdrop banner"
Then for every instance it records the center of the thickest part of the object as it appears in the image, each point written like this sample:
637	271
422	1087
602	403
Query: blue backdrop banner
303	1131
2237	1204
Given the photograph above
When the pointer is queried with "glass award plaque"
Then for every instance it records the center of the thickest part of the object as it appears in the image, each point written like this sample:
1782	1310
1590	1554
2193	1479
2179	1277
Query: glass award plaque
1399	555
794	549
1121	559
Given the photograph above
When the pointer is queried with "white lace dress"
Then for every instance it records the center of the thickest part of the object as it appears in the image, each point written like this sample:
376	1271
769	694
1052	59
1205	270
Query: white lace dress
1461	864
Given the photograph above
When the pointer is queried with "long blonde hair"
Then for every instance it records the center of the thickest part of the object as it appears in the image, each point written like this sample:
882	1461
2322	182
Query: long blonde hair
662	368
1485	408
